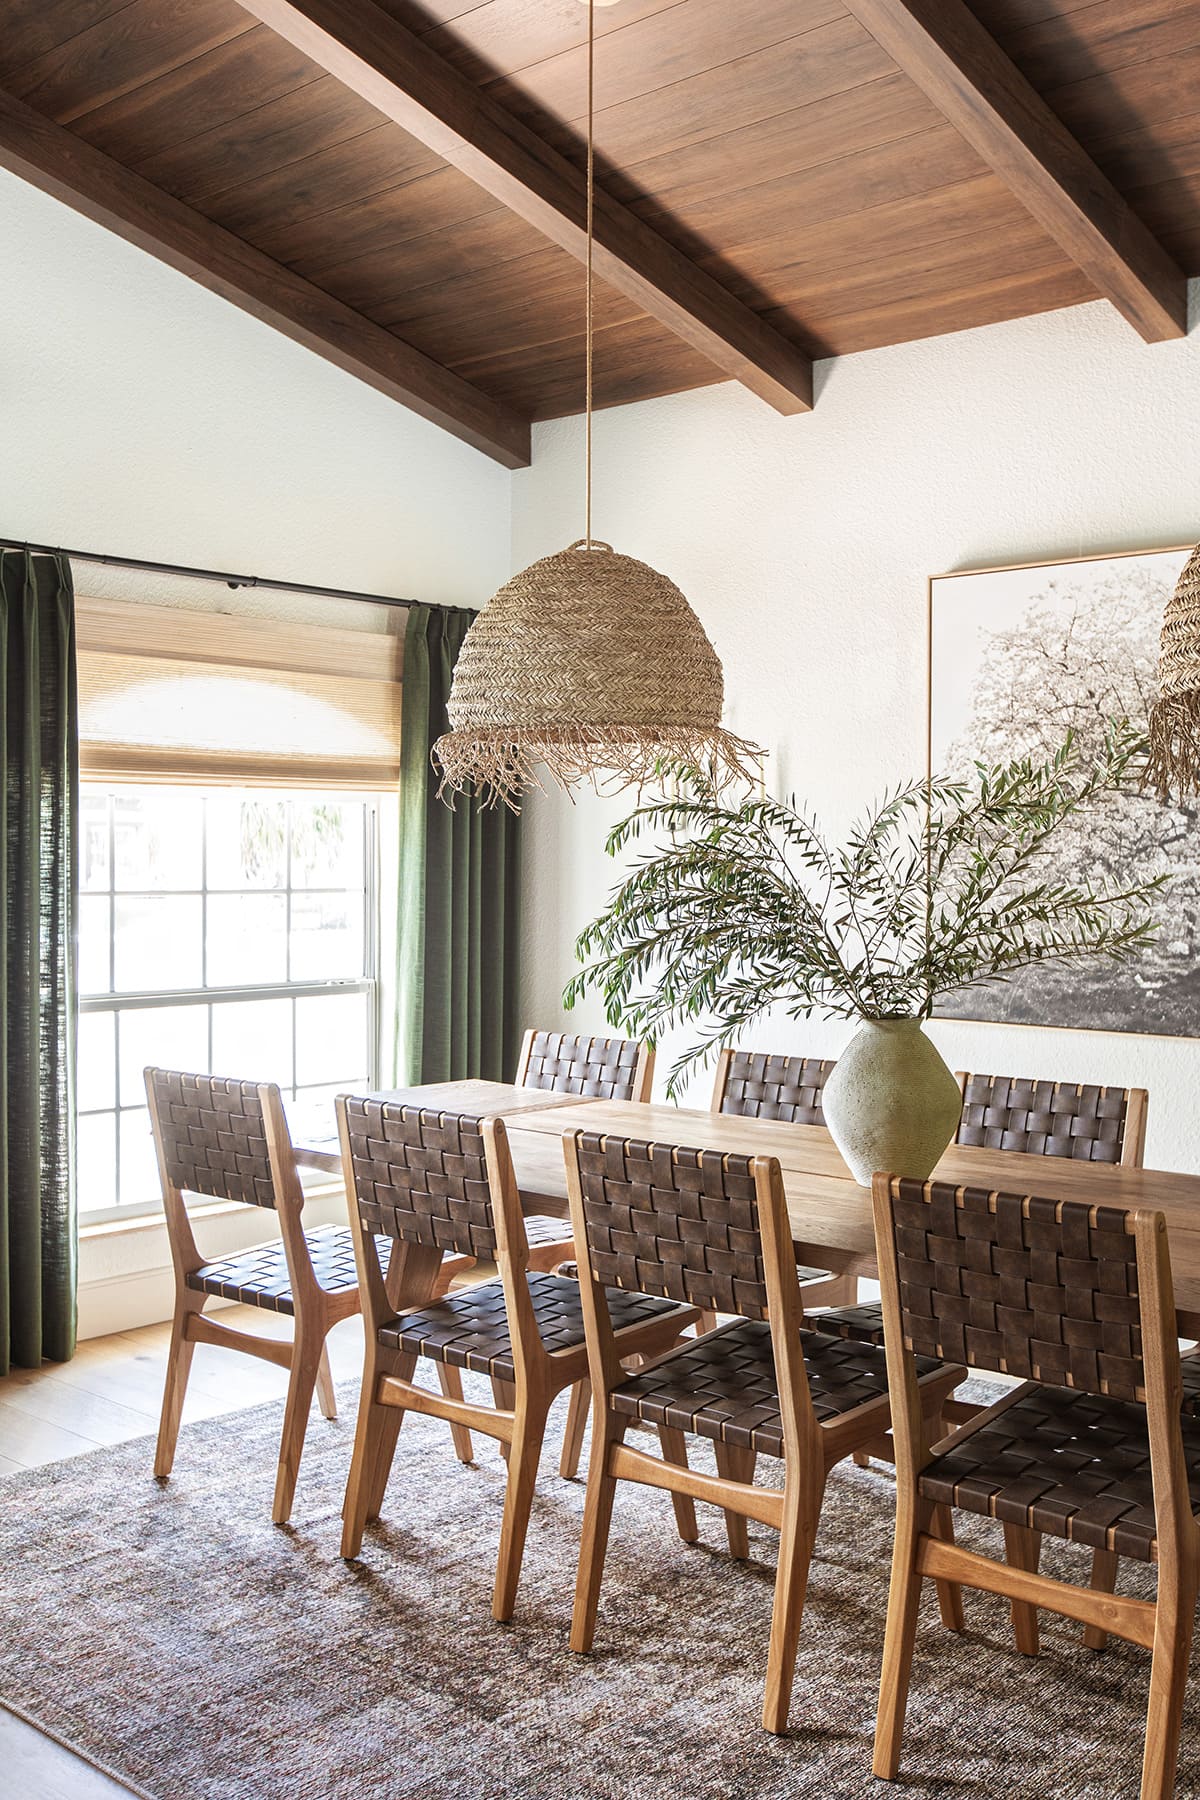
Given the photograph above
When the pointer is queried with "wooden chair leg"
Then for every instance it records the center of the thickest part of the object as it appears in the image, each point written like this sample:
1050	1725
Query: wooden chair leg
301	1381
949	1593
381	1464
375	1437
801	1516
674	1449
572	1444
505	1396
708	1321
526	1454
899	1640
1105	1568
326	1397
737	1465
1023	1550
1173	1626
450	1382
179	1367
597	1519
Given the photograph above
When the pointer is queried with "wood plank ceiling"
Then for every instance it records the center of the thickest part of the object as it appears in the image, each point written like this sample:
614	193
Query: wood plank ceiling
774	143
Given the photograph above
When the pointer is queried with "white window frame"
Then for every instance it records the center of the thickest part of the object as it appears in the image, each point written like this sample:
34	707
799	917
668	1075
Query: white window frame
368	983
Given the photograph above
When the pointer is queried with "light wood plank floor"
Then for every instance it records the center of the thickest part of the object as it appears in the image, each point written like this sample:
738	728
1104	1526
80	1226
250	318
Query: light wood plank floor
111	1392
112	1389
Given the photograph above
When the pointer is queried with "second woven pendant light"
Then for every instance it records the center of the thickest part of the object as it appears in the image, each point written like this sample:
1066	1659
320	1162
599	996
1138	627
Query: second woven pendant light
588	664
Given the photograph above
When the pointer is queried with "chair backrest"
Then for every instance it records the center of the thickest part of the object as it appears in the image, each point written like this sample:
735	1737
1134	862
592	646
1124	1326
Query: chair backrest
211	1136
1054	1118
691	1225
760	1086
1048	1290
420	1176
434	1181
600	1068
681	1224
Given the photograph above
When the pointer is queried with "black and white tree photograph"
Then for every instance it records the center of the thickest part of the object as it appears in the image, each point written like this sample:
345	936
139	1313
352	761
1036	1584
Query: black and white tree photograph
1020	657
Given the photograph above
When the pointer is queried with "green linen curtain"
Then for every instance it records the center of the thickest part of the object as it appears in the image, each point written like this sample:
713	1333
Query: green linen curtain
39	914
456	973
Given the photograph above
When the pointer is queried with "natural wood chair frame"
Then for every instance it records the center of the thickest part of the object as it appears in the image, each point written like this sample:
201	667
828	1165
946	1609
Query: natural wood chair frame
317	1309
923	1552
811	1447
518	1419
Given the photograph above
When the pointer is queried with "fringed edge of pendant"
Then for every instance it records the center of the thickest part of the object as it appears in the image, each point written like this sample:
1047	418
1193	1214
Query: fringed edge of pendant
1173	763
504	765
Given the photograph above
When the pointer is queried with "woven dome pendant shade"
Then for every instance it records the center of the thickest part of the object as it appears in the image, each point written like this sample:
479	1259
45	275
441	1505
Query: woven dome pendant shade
1174	761
590	664
587	664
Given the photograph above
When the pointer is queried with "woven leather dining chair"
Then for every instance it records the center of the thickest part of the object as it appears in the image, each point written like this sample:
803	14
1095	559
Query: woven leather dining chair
433	1181
712	1230
1034	1118
1077	1300
229	1140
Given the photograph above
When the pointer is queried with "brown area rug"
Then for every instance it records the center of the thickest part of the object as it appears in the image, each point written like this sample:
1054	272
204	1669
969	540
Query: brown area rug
175	1635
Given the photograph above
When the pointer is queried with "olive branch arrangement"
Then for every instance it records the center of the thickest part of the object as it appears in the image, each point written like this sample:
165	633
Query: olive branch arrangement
745	905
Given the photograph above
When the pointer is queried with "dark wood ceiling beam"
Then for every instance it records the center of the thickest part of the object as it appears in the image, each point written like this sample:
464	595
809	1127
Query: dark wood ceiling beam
941	46
396	72
60	164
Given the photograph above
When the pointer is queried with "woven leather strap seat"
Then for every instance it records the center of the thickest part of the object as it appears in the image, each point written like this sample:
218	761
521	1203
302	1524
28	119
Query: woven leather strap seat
470	1330
541	1230
860	1324
259	1277
722	1386
1063	1461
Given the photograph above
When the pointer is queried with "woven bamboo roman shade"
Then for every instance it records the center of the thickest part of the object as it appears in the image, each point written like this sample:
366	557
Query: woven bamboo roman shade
172	695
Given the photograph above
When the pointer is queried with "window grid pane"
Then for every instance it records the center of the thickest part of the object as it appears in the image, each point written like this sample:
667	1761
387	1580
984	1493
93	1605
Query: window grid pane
229	1003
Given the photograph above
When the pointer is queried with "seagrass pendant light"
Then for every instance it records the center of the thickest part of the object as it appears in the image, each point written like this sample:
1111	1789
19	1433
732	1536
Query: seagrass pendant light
588	664
1174	763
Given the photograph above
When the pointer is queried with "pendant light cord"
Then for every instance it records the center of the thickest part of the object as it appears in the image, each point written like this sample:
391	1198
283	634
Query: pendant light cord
591	210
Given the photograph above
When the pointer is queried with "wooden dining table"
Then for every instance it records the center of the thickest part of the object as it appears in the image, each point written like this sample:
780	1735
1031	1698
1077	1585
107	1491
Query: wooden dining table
830	1213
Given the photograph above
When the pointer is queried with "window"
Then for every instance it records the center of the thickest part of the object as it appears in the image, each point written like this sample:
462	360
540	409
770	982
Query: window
222	930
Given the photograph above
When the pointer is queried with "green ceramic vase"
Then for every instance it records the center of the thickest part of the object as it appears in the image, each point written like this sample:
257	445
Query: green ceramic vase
891	1103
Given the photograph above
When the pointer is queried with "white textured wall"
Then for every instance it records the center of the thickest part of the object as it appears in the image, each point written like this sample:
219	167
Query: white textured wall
804	545
140	414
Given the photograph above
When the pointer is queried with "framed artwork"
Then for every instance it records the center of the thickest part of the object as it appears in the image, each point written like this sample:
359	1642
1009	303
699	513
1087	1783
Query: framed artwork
1016	656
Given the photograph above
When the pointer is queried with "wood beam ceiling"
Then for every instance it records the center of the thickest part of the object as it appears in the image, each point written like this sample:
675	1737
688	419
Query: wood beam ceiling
58	163
367	50
941	46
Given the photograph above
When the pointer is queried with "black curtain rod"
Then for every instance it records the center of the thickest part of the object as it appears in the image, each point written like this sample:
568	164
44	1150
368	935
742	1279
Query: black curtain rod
231	581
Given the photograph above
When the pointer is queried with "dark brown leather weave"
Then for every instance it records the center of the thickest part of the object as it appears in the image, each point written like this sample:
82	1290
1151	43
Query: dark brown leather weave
860	1324
1034	1287
212	1136
259	1277
470	1329
540	1231
1074	1464
420	1176
603	1068
723	1385
681	1223
776	1087
676	1222
1044	1118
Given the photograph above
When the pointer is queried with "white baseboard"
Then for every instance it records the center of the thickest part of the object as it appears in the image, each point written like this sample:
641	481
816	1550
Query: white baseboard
123	1302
